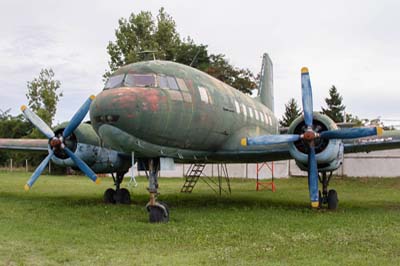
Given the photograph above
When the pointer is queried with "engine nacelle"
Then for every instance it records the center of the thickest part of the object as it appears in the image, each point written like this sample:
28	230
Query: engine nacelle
329	153
85	143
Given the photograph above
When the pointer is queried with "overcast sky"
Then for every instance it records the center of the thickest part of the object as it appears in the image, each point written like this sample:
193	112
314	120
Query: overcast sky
353	45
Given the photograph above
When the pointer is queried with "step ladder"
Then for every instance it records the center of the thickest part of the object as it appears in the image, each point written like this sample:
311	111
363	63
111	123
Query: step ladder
192	176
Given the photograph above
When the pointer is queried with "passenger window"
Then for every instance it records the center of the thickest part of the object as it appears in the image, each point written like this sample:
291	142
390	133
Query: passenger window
182	84
244	110
262	117
172	83
140	80
256	114
237	107
114	82
251	112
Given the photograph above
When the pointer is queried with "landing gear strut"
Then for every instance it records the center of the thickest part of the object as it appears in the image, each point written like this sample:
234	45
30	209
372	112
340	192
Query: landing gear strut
158	211
119	195
327	197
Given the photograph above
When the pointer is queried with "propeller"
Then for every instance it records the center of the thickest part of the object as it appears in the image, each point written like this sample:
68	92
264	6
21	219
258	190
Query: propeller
309	136
57	143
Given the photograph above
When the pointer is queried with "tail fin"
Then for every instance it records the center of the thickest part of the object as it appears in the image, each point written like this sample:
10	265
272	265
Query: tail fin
266	86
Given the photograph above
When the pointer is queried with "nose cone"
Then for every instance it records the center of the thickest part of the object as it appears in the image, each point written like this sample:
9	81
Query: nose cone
130	109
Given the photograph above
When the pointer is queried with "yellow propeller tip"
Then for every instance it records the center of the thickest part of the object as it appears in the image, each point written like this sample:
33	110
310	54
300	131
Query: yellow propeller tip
98	181
27	187
243	141
304	70
314	204
23	108
92	97
379	131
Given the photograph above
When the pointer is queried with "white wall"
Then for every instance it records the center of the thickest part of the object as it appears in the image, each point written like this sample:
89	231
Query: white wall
373	164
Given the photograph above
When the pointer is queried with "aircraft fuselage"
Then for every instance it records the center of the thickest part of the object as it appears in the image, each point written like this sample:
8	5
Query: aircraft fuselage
160	108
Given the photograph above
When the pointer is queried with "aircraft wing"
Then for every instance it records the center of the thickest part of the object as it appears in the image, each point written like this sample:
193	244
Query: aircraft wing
387	141
24	144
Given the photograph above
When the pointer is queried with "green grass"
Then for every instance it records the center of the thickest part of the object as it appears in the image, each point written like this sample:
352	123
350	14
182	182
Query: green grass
62	220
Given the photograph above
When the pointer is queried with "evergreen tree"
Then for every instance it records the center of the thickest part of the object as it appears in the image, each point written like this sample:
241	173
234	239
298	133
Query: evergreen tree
292	111
334	104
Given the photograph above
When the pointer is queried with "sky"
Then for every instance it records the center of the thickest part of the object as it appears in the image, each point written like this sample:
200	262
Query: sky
353	45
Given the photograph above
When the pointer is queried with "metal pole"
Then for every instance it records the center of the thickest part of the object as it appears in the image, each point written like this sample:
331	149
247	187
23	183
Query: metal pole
11	164
26	165
49	167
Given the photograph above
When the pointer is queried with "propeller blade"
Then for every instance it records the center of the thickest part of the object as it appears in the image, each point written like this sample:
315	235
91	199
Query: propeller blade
306	97
37	122
83	166
269	139
351	133
38	171
78	117
313	177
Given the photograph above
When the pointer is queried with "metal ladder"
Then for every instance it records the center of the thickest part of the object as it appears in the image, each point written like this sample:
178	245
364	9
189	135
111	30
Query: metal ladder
192	176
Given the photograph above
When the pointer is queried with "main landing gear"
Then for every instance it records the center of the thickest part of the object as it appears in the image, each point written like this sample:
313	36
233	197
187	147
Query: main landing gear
119	195
327	197
158	211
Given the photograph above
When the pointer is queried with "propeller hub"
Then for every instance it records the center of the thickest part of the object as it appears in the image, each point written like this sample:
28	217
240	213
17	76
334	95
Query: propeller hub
310	135
55	143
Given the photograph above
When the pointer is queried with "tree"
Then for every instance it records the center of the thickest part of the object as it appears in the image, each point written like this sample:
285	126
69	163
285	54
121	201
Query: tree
335	107
43	95
292	111
13	127
140	35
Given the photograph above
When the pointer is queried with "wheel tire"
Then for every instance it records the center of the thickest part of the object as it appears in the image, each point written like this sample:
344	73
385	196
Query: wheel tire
109	196
157	214
333	200
122	196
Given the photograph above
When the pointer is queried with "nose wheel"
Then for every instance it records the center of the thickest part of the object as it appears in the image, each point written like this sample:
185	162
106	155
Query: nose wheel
119	195
328	198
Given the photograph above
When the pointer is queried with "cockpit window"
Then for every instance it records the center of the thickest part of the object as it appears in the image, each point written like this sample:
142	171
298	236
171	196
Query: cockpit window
172	83
163	82
140	80
114	81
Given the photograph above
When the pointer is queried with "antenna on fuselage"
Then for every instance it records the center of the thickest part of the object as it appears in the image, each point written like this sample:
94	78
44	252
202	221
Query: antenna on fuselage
148	52
195	57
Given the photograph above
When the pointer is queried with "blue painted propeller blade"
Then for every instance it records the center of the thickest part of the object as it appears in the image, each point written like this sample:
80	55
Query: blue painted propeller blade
272	139
306	96
78	117
350	133
38	171
37	122
313	178
82	165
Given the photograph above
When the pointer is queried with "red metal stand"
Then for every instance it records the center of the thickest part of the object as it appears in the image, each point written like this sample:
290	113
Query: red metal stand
265	185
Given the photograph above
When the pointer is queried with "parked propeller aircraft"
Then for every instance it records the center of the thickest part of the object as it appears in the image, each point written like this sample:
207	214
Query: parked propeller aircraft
159	112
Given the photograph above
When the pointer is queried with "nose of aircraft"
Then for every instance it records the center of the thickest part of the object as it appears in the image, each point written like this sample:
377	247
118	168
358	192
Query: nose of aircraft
132	110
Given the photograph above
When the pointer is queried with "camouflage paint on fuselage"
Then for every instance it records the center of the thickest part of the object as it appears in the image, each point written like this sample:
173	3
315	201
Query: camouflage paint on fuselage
203	117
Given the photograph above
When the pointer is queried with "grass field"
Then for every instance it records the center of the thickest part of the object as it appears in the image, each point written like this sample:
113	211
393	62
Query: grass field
62	220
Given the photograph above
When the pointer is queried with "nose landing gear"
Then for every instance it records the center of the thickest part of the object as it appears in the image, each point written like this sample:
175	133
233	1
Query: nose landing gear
329	198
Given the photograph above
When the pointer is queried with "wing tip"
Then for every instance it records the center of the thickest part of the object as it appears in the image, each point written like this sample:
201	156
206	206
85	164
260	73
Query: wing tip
92	97
23	108
27	187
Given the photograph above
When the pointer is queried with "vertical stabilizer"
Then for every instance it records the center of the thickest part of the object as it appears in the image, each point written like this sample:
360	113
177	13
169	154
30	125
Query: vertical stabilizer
266	86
